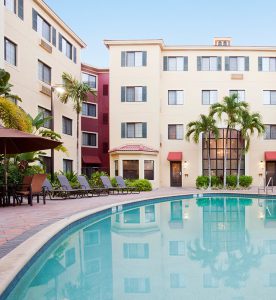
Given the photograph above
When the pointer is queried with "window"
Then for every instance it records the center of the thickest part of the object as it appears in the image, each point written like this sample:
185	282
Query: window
116	167
267	64
91	237
209	97
137	285
175	132
44	72
47	162
10	5
131	169
89	109
43	27
209	63
149	213
133	58
67	48
67	166
270	132
132	216
175	97
45	114
133	93
176	210
67	126
105	89
89	139
240	93
134	130
175	63
235	148
10	52
149	169
177	248
92	266
70	257
90	80
177	280
136	250
270	97
236	63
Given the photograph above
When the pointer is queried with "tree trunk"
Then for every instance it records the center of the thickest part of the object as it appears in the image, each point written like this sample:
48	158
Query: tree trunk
209	163
239	169
225	158
78	121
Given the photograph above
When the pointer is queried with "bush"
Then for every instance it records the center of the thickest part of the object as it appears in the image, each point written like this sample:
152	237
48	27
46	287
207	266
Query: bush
114	182
142	184
203	181
231	180
245	181
95	180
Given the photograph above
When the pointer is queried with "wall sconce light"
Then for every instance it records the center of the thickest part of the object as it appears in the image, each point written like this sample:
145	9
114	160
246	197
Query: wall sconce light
185	165
261	164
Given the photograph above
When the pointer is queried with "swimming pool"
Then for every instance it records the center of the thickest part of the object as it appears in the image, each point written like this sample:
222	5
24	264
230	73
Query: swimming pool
217	247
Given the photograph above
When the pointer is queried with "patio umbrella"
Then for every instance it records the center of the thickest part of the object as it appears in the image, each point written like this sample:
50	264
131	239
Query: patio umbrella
14	141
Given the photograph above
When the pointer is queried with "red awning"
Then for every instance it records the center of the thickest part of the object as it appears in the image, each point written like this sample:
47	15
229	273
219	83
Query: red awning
175	156
270	155
91	159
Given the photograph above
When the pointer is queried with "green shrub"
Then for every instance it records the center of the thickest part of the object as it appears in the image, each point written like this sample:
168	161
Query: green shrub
231	180
114	182
142	184
216	181
95	180
245	181
202	181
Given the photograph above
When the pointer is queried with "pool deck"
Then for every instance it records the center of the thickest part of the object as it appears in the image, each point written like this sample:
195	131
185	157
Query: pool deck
25	229
19	223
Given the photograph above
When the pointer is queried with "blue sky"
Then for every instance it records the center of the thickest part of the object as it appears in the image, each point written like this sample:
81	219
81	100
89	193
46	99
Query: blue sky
190	22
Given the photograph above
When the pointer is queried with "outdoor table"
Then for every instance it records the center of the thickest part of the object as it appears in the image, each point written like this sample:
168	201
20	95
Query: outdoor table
6	192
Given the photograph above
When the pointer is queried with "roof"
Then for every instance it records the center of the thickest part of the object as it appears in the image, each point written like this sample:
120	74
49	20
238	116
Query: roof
164	47
134	148
48	10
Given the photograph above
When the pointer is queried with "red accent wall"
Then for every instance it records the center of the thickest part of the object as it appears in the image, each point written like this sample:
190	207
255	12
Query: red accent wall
98	125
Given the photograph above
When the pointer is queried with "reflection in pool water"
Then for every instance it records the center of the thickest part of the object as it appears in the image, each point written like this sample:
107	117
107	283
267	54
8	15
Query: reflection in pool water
206	248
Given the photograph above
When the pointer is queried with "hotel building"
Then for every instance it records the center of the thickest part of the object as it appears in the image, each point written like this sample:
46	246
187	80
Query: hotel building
156	90
37	47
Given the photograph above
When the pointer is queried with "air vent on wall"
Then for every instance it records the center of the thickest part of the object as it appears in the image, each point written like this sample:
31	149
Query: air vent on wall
46	46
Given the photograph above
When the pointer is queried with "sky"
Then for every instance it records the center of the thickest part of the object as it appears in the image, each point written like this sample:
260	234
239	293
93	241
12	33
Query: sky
177	22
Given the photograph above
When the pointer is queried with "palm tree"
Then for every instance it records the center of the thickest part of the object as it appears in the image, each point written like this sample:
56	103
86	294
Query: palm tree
5	86
232	108
206	125
77	92
249	123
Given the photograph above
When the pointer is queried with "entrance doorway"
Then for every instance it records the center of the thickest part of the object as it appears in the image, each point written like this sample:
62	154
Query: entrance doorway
271	171
176	173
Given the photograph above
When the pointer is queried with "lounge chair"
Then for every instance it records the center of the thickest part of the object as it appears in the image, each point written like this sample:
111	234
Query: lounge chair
111	189
66	187
52	193
85	186
31	186
121	183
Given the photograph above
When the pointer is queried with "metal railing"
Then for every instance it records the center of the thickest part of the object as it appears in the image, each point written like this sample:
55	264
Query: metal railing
266	187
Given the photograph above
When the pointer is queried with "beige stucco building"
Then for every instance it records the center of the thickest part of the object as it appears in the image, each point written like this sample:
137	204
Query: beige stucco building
38	48
156	89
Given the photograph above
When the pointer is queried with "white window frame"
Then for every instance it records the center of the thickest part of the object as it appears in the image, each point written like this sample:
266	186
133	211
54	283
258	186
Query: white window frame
138	93
213	96
267	97
7	56
44	66
175	63
41	25
87	146
267	65
211	63
179	132
239	63
136	124
137	59
240	93
88	82
179	97
87	116
10	5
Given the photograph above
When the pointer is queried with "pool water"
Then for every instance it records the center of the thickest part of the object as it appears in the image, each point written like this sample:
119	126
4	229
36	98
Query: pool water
181	248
